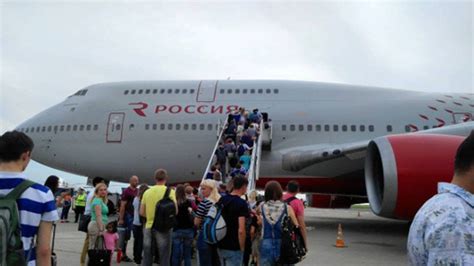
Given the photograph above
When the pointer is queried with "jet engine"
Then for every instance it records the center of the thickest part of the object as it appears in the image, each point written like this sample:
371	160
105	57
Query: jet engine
402	171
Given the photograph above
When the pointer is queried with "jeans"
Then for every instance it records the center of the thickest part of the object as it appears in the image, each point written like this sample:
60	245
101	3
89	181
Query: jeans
182	244
230	257
137	243
124	234
65	212
163	241
270	252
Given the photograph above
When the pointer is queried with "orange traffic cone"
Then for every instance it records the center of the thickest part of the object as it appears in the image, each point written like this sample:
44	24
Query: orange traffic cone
340	238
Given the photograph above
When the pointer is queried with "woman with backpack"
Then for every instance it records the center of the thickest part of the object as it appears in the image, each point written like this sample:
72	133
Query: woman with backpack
207	254
183	232
271	214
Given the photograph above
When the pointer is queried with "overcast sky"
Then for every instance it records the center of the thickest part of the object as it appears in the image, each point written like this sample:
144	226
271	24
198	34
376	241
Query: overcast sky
49	49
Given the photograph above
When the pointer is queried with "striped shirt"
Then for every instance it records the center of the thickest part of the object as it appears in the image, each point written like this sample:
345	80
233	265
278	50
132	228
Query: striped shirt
203	208
36	204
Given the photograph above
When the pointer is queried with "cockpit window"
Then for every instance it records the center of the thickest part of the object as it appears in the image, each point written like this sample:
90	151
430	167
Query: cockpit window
80	93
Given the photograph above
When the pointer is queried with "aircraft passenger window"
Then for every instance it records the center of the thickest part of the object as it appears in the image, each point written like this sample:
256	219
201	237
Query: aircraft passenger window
389	128
170	126
275	91
353	128
176	91
81	127
326	127
155	91
162	126
318	127
178	126
74	128
209	126
147	126
147	91
96	127
371	128
125	92
309	127
335	128
292	127
237	91
68	128
407	128
252	91
193	126
344	128
42	130
49	128
229	91
201	126
192	91
162	91
170	91
140	91
133	92
283	127
118	127
244	91
301	127
185	126
155	126
61	128
260	91
184	91
268	91
222	91
362	128
131	127
32	129
38	129
27	130
426	127
88	128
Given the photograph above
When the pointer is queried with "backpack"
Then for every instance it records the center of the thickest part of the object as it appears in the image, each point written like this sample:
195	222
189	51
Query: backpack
11	246
292	249
214	227
165	213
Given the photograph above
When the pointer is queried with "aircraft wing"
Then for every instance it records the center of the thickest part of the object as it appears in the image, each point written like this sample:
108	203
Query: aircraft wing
298	158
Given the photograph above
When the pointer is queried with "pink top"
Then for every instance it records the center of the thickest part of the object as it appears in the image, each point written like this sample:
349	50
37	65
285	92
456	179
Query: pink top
296	204
110	240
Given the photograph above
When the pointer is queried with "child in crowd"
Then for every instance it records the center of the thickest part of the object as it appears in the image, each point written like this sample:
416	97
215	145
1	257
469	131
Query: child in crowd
111	238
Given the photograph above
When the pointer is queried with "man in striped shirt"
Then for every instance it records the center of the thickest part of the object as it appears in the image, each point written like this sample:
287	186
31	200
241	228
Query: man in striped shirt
36	205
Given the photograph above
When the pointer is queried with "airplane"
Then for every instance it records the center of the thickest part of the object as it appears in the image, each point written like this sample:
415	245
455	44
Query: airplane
344	144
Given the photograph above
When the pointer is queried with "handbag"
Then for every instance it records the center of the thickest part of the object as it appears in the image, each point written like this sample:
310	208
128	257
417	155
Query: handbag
83	223
293	249
99	256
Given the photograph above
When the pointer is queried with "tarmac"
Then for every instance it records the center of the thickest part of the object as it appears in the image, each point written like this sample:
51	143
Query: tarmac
369	239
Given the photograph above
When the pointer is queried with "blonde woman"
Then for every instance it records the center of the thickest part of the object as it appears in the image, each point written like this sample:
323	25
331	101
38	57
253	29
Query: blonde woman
207	254
99	211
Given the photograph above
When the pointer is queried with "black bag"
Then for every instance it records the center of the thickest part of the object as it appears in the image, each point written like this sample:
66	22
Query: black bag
54	258
100	256
293	249
83	223
165	213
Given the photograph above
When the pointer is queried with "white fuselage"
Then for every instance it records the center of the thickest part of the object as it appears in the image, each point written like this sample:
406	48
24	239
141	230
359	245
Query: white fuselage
132	128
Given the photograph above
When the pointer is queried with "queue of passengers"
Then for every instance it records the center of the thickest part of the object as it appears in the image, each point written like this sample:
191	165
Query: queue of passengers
252	229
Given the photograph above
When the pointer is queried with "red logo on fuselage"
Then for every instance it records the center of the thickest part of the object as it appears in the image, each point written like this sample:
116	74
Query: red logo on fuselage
188	109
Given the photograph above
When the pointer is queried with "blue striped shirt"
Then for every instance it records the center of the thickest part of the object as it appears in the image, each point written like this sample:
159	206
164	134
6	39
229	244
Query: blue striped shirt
36	204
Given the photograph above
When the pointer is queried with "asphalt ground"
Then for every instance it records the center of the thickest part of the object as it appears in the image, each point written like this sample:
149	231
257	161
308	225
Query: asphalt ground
370	240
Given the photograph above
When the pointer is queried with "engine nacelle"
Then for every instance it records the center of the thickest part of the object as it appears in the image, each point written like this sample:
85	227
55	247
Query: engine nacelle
402	171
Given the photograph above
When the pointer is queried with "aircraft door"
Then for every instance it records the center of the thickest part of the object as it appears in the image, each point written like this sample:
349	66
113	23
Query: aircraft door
115	127
207	91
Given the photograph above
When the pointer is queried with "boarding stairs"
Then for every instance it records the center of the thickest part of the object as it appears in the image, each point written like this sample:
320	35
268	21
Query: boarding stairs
263	141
